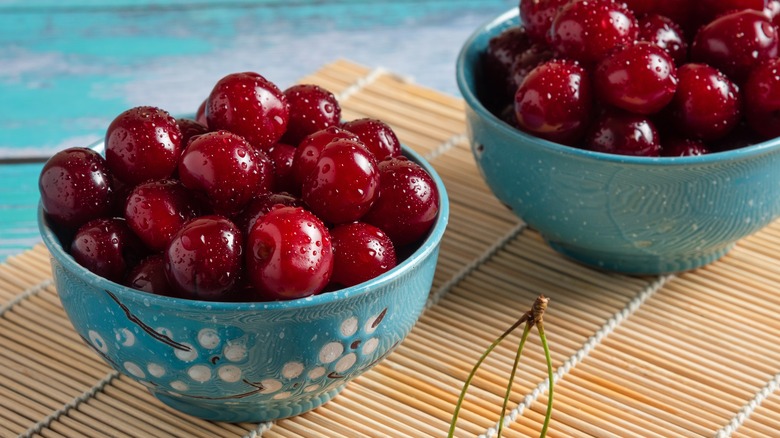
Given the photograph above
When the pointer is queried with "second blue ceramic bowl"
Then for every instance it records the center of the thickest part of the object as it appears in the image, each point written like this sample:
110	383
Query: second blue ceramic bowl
633	215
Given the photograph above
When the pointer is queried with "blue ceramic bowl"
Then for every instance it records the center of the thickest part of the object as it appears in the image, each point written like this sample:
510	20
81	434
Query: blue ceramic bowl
248	361
634	215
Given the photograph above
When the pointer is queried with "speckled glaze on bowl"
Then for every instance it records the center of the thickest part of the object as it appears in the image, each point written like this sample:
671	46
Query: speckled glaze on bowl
632	215
248	361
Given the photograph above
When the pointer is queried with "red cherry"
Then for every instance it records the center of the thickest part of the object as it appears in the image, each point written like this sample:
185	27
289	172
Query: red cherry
282	156
679	11
708	10
106	247
156	210
683	147
204	258
289	254
641	78
408	201
524	63
149	276
75	186
537	17
360	253
707	104
377	136
308	151
496	63
226	169
200	114
666	34
261	205
190	128
587	30
312	108
142	144
248	105
762	99
624	134
554	102
344	184
736	42
772	11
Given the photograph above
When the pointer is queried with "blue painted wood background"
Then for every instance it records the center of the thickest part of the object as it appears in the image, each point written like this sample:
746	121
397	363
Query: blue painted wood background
67	67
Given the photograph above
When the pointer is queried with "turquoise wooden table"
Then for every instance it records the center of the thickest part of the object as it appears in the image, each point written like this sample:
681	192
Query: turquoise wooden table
70	66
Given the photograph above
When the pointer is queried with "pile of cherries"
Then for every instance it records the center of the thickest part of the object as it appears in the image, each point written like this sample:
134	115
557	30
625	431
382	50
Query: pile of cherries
266	195
639	77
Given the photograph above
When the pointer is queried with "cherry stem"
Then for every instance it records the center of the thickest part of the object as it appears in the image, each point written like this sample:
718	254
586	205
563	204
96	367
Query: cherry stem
550	377
526	317
526	331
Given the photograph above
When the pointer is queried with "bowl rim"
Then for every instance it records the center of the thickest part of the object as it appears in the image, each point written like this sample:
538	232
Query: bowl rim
511	17
428	245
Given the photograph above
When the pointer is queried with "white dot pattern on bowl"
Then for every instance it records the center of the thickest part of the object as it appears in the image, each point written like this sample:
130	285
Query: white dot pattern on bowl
349	326
316	373
199	373
370	346
134	369
179	386
234	352
208	338
270	386
97	341
126	337
311	388
331	351
282	395
188	355
346	362
229	373
155	370
292	370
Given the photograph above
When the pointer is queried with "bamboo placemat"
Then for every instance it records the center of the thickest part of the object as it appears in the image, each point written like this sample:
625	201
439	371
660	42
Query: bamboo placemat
694	355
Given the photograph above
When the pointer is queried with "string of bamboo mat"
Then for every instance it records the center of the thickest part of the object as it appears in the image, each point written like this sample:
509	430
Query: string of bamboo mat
693	355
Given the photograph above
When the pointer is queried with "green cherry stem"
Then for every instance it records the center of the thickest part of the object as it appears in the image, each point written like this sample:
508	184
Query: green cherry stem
526	317
550	377
526	331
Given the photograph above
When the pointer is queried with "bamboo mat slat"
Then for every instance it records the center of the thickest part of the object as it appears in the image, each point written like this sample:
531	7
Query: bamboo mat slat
693	355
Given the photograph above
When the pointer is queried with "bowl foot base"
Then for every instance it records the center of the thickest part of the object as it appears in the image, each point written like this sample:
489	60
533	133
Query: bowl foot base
639	264
240	411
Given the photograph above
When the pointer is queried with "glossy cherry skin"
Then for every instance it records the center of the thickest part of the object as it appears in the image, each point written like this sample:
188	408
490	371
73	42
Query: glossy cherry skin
683	147
772	11
106	247
76	186
537	17
554	102
526	61
377	136
282	156
308	151
156	210
762	99
679	11
261	205
641	78
312	108
496	63
707	104
149	276
226	169
289	254
200	113
408	201
735	43
249	105
344	184
707	10
360	253
143	144
666	34
587	30
190	128
624	134
204	259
